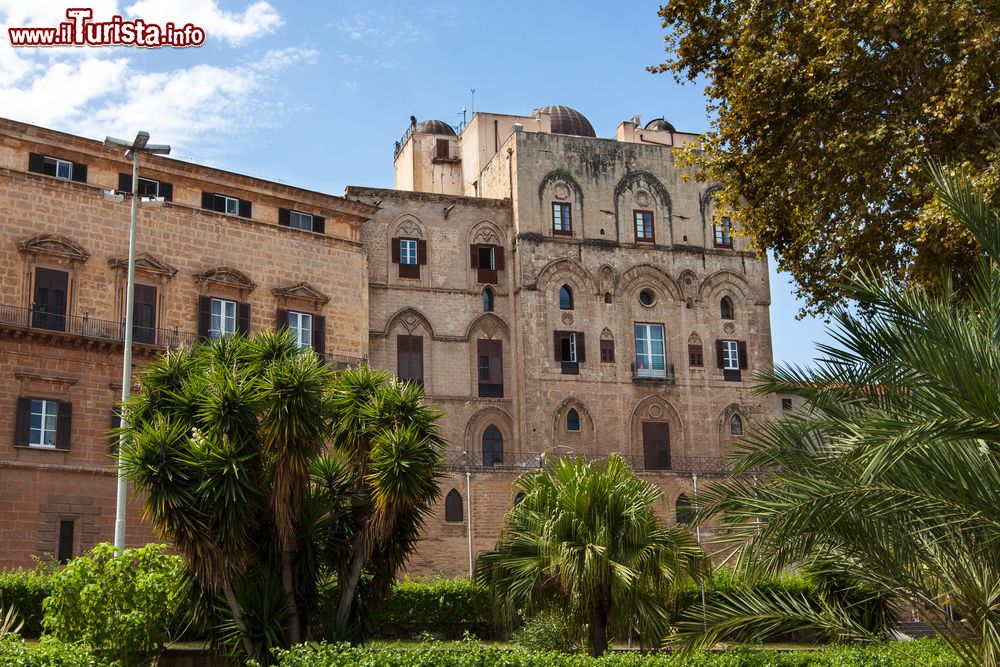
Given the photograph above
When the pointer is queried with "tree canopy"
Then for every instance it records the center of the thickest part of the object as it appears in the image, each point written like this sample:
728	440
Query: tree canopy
824	115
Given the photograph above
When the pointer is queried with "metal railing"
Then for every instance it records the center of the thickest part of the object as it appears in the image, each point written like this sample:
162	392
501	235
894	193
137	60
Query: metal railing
40	319
536	460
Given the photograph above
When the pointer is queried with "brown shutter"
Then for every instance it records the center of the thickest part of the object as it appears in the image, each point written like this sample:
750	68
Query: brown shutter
284	217
395	250
421	251
695	357
167	191
402	356
442	149
496	362
581	348
245	209
79	172
474	255
243	318
319	224
719	355
36	164
319	334
124	182
741	348
204	315
557	344
409	270
417	357
498	262
64	424
22	422
208	201
656	445
282	318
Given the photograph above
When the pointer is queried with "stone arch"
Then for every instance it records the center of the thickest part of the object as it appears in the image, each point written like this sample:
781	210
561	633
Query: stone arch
643	178
647	273
54	245
656	408
226	276
411	319
574	198
557	271
487	232
454	507
490	324
408	225
564	441
694	339
555	176
479	422
706	204
716	284
726	437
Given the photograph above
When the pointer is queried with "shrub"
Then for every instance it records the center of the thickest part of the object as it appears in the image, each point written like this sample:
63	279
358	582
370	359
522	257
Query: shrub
24	591
446	608
124	606
46	653
552	630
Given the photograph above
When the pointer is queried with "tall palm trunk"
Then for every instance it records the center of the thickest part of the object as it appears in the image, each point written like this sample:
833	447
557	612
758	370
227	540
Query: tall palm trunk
237	612
349	589
599	631
293	632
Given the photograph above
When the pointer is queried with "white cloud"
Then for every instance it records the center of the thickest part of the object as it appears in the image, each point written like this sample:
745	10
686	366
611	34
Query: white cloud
382	30
258	19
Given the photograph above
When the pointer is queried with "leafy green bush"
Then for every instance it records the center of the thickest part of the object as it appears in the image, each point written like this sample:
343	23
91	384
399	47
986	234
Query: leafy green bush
552	630
46	653
433	654
24	591
446	608
125	606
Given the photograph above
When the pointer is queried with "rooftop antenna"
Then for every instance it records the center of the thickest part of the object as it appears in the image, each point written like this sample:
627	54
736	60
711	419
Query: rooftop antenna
464	120
473	101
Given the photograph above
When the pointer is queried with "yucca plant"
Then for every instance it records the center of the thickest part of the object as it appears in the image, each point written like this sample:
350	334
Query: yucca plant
890	474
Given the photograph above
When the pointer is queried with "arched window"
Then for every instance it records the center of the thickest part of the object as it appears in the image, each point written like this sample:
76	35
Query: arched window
518	498
565	298
488	299
726	308
492	446
683	509
572	420
736	425
607	297
453	507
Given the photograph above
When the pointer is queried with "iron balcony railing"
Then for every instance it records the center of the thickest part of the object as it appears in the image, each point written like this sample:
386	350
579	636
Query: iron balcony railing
91	327
536	460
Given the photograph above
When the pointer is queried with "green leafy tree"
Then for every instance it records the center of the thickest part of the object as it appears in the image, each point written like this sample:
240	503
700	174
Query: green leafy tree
227	444
124	605
890	474
824	113
585	537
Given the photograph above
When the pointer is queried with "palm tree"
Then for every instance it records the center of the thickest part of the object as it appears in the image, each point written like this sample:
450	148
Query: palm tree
585	536
890	475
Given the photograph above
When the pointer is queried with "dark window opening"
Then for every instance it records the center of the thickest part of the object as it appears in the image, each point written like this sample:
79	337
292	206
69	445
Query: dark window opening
489	355
607	351
492	446
607	297
572	420
683	509
726	308
656	445
488	300
144	314
647	297
736	425
486	258
64	550
454	508
565	298
644	227
696	356
562	222
410	358
786	404
48	311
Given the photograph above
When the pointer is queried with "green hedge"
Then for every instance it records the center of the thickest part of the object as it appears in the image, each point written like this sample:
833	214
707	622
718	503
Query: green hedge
929	653
446	608
46	653
25	590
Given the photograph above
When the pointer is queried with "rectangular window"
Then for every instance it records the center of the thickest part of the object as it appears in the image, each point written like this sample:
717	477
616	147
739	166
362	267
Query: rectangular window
48	310
650	355
64	550
696	356
301	325
644	226
229	205
722	233
489	356
786	404
408	251
607	351
730	355
144	314
410	358
300	220
562	222
732	359
487	258
223	318
43	424
656	445
59	168
148	187
570	351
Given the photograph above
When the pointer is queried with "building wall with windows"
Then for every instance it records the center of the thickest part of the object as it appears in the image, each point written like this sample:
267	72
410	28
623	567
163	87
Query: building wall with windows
631	318
224	252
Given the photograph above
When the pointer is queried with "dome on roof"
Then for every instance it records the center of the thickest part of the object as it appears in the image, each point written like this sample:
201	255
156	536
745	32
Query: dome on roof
434	127
660	125
569	121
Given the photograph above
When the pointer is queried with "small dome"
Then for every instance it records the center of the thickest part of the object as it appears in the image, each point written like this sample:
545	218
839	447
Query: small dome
434	127
569	121
660	125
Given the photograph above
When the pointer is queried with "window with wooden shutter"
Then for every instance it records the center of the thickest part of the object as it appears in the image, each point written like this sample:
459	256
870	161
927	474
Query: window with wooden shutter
696	356
656	445
394	249
729	359
410	358
64	550
43	423
243	318
22	422
409	257
284	217
51	296
607	351
246	208
489	358
64	427
567	351
204	316
487	260
741	347
319	335
144	314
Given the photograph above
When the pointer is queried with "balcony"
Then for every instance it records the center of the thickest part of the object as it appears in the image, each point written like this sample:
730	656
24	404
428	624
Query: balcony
443	152
646	375
522	461
89	329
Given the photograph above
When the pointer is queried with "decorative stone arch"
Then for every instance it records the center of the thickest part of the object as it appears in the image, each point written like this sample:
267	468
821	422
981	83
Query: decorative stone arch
408	225
587	423
559	271
302	292
226	276
572	195
52	251
487	232
491	326
694	338
706	205
555	176
726	437
646	180
645	274
606	334
477	425
655	408
410	319
726	283
55	246
689	283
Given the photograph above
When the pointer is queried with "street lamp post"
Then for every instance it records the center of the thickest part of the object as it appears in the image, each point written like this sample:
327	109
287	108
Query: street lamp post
132	150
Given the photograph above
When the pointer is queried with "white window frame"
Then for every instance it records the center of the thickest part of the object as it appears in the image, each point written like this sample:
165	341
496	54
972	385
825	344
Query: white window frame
493	257
230	202
565	223
221	318
723	232
572	349
48	423
156	192
408	252
300	220
645	357
62	164
301	325
730	355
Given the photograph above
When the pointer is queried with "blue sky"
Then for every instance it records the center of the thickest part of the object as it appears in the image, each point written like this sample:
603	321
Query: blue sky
315	93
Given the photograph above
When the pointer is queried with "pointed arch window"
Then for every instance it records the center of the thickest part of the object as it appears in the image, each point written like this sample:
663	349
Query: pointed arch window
454	507
492	446
736	425
572	420
726	308
489	298
565	298
683	509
